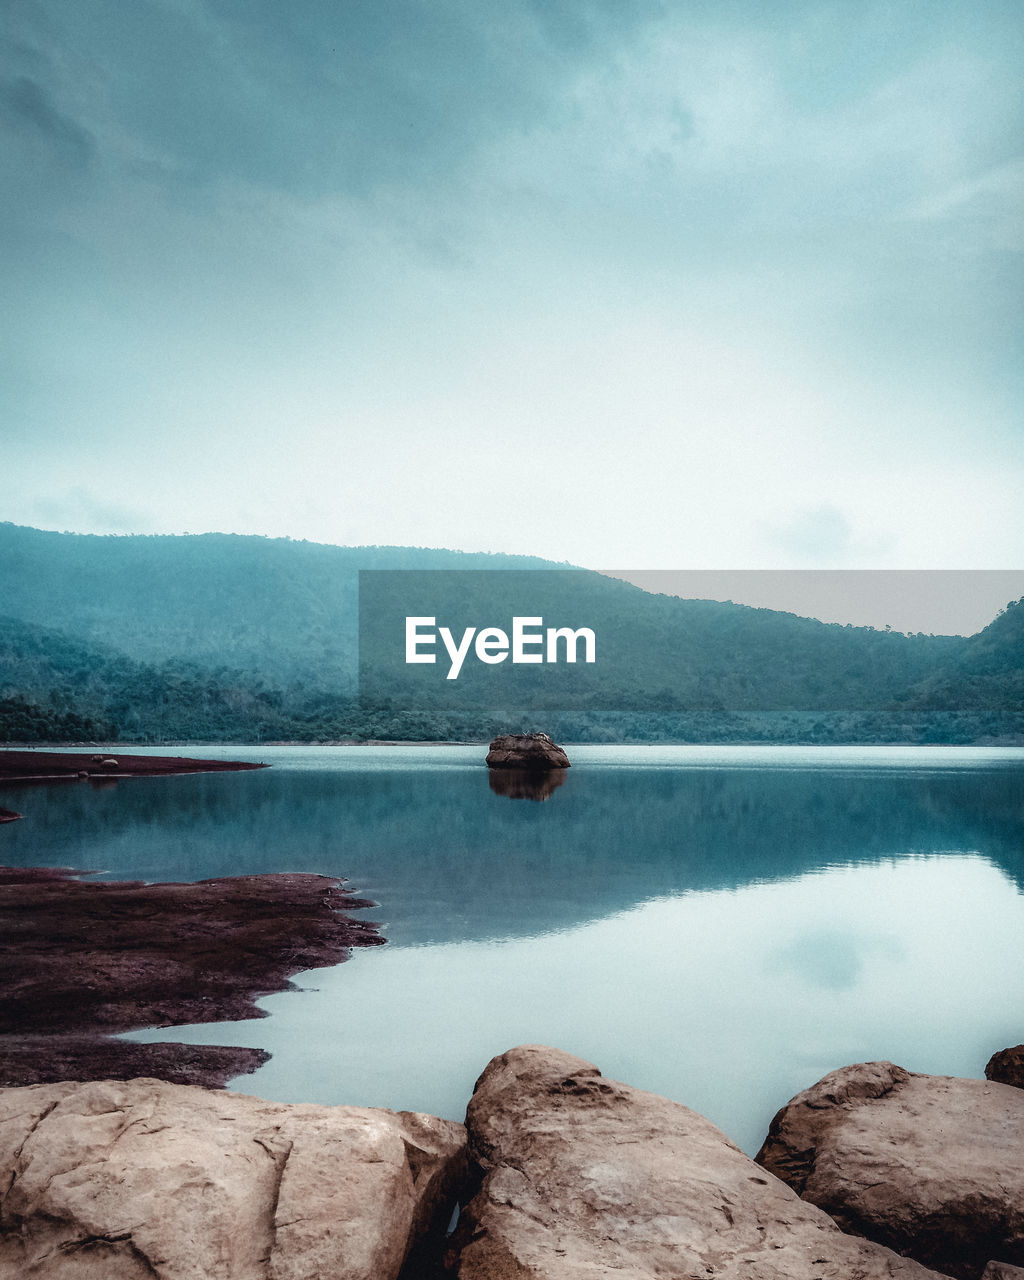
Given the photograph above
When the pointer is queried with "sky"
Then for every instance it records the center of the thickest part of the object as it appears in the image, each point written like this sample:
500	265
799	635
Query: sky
708	285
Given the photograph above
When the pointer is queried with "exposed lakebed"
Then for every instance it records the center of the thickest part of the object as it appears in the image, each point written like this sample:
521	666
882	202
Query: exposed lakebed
720	925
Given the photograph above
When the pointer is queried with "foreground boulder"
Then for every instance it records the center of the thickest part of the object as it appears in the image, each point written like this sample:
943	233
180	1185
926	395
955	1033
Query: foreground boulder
929	1165
586	1178
125	1181
526	751
1007	1066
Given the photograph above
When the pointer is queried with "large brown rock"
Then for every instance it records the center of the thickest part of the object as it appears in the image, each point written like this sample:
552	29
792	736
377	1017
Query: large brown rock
586	1178
142	1179
526	751
931	1166
1007	1066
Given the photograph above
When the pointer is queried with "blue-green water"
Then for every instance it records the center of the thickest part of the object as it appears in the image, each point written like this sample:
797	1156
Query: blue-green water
721	925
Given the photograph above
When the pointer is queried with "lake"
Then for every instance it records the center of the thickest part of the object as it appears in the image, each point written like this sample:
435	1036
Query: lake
721	925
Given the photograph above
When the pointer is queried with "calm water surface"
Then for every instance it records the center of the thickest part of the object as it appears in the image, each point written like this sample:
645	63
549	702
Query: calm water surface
721	925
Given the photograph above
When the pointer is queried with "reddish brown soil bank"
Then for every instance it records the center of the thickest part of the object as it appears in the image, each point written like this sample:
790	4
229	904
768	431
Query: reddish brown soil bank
82	960
47	1059
57	766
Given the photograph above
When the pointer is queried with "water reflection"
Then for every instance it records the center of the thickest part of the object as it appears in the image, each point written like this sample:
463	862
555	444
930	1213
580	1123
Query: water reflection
717	930
830	960
525	784
449	859
730	1001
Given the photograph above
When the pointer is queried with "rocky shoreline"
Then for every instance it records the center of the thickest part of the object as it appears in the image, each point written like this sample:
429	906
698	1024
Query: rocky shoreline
84	960
874	1173
125	1161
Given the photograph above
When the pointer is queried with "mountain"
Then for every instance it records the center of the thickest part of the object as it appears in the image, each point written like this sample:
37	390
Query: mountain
54	687
658	653
986	672
286	610
231	637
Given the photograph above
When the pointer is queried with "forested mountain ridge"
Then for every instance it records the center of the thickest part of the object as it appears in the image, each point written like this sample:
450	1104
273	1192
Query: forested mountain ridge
230	637
283	608
986	671
657	652
53	686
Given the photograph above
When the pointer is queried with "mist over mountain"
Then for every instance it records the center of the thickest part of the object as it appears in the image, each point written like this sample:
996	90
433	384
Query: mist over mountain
231	637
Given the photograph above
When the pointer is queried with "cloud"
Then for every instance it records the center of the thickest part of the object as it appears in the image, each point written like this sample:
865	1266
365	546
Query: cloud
25	106
992	201
824	535
649	268
317	98
81	511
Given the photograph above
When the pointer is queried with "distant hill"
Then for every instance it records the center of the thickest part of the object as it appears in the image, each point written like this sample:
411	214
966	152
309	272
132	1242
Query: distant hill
284	609
658	652
230	637
54	688
987	671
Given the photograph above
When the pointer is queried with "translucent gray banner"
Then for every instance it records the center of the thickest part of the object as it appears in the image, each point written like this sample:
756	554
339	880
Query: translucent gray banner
511	646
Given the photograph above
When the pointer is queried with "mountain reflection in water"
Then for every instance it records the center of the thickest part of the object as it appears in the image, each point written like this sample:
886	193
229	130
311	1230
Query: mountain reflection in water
421	832
722	926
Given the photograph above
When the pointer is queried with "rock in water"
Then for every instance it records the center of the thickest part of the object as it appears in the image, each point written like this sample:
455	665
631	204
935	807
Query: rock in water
585	1179
127	1181
1007	1066
526	751
929	1165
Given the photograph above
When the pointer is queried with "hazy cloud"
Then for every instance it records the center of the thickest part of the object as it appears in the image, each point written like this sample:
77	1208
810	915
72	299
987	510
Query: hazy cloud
25	107
80	511
823	535
729	284
993	202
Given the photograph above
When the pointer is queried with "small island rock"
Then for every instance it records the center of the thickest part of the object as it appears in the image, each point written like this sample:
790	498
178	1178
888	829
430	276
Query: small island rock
586	1178
1007	1066
931	1166
526	751
124	1181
